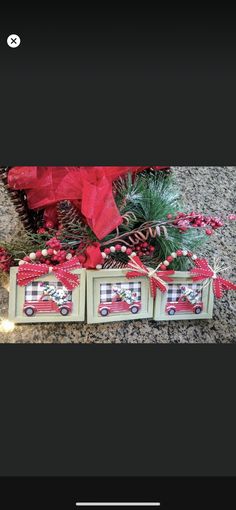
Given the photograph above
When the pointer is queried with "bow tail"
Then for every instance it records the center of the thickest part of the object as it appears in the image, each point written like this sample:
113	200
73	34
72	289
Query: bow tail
217	288
69	280
134	274
227	285
159	285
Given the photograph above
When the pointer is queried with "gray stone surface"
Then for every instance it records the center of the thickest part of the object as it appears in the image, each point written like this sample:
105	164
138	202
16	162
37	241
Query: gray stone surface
208	189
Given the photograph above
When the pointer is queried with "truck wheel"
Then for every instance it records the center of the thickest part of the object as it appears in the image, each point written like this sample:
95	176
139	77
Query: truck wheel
171	311
29	311
198	310
64	311
134	309
104	312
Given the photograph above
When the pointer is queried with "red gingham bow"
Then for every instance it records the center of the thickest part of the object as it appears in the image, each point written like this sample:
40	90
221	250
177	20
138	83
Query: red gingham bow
157	278
27	273
202	271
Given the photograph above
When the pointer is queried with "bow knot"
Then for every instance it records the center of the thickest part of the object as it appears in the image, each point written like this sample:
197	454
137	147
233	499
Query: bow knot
204	271
157	278
28	272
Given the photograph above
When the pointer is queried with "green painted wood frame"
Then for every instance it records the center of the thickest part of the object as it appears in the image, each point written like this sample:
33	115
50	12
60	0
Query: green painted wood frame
16	301
184	277
95	278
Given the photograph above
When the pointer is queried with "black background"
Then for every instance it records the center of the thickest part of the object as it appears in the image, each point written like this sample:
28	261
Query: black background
118	86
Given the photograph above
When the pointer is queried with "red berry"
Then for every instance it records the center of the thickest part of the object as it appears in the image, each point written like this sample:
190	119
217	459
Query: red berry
107	251
38	254
163	267
118	247
189	254
50	252
179	253
209	232
144	245
152	248
169	258
169	216
129	251
41	230
49	224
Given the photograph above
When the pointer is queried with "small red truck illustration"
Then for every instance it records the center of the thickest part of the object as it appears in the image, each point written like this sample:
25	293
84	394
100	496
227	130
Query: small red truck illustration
46	305
183	305
118	307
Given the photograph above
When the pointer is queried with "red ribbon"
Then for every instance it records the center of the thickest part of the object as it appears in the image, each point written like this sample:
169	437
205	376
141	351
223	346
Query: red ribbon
27	273
204	271
90	189
157	278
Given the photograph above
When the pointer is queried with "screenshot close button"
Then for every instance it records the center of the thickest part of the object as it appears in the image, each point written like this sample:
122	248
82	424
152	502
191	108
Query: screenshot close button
13	41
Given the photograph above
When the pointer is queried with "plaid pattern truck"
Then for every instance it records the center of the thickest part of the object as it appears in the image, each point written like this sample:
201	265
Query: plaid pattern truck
106	292
33	291
174	290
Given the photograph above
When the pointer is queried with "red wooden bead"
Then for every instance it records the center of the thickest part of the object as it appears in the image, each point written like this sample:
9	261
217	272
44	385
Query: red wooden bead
107	251
129	251
38	254
152	248
179	253
163	267
118	247
169	216
169	258
50	252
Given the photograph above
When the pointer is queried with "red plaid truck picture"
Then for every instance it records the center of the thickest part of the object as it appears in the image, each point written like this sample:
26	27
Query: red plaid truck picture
48	299
188	301
120	298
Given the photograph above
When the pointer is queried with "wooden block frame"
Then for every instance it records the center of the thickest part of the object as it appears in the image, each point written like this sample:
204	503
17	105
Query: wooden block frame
111	277
181	278
17	300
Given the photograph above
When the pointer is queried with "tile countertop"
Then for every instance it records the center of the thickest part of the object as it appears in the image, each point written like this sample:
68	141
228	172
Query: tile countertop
211	190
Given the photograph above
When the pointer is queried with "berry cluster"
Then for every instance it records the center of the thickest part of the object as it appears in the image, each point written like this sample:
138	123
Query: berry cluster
185	221
51	255
5	260
144	249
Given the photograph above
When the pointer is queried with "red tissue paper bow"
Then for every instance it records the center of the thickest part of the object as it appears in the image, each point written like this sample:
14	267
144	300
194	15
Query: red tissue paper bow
88	187
157	278
27	273
204	271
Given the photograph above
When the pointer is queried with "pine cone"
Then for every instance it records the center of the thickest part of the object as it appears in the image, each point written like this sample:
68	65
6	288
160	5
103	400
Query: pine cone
69	216
29	218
